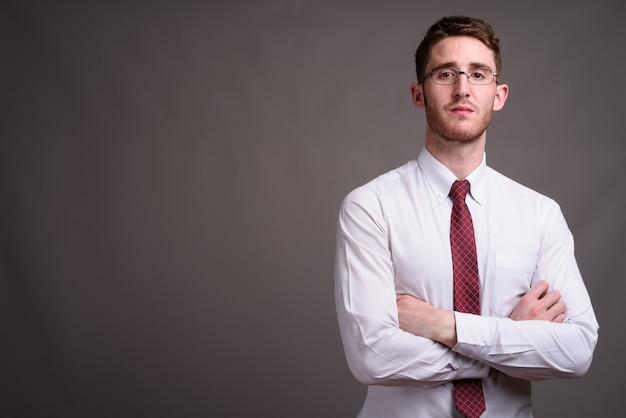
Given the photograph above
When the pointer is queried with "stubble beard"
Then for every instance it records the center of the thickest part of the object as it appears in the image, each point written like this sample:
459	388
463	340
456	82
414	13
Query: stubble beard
447	132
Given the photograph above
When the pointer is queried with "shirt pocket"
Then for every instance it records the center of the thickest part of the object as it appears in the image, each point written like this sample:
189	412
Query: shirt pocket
512	279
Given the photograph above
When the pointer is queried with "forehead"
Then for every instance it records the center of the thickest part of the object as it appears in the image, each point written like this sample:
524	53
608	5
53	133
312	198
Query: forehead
461	51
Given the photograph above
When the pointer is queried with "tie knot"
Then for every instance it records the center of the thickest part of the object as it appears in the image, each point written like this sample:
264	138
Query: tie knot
459	190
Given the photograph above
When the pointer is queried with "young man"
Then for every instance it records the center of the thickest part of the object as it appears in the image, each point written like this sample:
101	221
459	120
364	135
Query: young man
405	331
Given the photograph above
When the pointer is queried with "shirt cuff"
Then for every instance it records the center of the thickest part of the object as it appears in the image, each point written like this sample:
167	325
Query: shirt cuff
471	335
468	335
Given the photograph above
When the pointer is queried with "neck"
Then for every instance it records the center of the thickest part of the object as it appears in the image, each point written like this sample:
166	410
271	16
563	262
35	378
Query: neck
461	158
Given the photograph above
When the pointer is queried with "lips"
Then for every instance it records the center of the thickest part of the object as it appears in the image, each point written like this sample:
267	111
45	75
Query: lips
462	110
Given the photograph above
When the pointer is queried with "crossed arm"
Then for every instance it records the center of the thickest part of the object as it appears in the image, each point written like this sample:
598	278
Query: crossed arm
413	342
423	320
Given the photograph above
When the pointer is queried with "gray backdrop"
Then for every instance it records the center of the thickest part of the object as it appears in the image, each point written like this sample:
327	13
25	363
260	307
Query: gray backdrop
170	174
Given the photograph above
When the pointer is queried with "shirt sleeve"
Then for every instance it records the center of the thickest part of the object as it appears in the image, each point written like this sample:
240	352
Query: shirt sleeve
378	352
539	350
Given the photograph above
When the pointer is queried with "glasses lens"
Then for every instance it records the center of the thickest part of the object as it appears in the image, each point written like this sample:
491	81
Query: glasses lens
445	76
480	75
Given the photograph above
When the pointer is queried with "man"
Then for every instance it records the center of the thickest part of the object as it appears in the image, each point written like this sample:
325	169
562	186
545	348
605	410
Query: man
396	269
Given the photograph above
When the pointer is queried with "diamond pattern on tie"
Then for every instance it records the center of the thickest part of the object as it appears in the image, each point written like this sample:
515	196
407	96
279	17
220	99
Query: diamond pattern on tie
468	397
468	393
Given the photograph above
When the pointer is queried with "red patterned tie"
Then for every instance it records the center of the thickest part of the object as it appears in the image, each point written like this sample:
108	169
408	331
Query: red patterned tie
468	393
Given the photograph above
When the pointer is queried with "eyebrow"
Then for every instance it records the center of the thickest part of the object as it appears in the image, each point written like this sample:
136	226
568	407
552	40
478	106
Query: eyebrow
453	65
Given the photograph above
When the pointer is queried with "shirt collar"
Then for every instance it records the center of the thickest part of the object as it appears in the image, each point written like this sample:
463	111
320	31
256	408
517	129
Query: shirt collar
440	178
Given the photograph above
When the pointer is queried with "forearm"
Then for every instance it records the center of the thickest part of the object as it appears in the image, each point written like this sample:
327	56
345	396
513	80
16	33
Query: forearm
423	320
378	353
533	350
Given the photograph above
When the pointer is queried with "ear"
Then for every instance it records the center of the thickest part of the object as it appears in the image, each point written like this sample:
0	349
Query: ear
417	95
502	92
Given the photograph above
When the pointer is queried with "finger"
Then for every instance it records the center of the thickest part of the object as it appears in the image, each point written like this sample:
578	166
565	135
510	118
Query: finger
556	313
558	308
538	290
401	297
551	298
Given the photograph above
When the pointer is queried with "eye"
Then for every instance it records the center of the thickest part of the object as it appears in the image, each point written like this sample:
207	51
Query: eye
478	73
445	74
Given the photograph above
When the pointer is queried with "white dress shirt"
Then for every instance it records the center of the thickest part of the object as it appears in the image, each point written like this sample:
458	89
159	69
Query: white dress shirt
393	237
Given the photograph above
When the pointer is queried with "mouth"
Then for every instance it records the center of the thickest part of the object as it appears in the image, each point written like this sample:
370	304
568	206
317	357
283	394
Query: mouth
462	110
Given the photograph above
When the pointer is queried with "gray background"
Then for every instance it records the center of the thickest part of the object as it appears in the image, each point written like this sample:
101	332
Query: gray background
170	174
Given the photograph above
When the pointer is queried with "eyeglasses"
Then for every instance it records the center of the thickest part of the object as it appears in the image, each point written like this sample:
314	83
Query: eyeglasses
479	76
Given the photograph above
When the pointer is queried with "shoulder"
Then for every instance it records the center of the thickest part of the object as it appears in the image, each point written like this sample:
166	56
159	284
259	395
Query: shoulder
388	184
518	196
378	195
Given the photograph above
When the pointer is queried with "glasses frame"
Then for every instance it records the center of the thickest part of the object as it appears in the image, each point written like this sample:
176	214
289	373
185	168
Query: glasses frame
458	74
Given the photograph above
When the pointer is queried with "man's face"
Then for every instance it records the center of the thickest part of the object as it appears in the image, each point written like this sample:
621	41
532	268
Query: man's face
459	112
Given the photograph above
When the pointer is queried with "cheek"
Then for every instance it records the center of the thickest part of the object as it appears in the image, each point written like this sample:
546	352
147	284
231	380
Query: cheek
432	101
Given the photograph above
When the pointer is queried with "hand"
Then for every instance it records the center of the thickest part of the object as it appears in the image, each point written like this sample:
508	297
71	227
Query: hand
540	304
421	319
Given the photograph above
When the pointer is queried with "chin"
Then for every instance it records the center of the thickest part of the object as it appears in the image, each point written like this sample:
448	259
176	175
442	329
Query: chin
462	137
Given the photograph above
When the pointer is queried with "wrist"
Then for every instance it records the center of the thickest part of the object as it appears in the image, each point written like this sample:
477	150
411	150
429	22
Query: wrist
446	331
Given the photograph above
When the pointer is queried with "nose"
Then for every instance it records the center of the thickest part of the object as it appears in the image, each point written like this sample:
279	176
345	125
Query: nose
461	86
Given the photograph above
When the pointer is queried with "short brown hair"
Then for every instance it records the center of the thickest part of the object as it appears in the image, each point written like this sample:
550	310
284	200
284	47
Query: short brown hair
456	26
